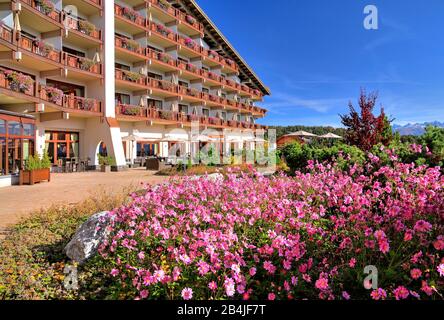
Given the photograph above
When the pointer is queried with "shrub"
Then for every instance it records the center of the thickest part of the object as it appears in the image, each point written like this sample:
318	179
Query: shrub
106	160
34	162
86	64
299	156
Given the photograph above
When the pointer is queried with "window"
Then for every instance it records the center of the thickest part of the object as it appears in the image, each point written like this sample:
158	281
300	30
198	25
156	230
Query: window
183	108
62	145
74	52
224	115
184	84
155	76
122	66
122	98
14	128
206	112
2	126
154	49
67	88
182	59
205	90
28	129
155	103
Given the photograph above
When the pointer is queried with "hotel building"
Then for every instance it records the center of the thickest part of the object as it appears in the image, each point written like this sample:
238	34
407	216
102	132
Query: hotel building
80	78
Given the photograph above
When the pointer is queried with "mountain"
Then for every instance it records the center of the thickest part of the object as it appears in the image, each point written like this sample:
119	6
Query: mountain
415	129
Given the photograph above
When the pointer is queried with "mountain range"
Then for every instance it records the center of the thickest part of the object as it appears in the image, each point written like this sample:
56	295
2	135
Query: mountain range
415	129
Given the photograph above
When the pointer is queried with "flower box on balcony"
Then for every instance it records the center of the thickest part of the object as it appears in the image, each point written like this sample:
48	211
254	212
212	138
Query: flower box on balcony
45	6
130	110
132	76
19	82
53	95
87	28
130	44
165	58
191	20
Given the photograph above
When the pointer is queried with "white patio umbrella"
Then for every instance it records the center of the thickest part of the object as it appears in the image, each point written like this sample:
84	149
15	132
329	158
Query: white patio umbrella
331	136
142	102
302	134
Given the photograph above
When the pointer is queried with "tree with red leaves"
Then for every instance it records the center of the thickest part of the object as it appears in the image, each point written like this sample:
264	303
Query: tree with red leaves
364	129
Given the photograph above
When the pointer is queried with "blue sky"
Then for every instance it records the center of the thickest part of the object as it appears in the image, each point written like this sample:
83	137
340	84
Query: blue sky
315	55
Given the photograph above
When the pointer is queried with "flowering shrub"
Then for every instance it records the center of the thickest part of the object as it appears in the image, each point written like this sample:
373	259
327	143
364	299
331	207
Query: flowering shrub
87	27
307	236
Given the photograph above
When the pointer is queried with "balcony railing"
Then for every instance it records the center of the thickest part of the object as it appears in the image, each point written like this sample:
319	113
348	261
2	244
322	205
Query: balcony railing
151	113
132	77
81	63
47	10
6	33
17	81
130	45
178	14
130	15
40	48
84	27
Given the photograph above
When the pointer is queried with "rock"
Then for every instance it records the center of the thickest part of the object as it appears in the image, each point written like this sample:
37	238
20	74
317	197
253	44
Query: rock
88	237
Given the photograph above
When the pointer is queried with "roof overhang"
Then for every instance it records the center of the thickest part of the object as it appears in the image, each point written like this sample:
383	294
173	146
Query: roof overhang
218	39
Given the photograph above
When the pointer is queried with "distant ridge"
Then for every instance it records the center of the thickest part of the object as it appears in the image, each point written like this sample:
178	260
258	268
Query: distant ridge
415	129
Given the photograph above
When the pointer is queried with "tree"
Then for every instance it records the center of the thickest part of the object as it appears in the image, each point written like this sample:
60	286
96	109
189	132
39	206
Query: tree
364	129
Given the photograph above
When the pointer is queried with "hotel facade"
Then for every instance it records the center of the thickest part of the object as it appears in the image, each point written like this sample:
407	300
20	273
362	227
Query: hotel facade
128	79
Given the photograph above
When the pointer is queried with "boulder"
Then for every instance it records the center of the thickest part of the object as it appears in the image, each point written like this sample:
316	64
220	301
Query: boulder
88	237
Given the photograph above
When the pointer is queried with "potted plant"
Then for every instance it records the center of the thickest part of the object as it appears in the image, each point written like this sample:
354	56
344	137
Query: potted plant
130	44
54	95
163	30
18	81
45	6
130	110
86	64
190	43
130	14
86	27
190	19
36	170
165	58
132	76
89	104
106	162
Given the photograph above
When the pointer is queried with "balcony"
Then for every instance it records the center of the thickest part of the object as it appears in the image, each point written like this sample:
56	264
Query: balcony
88	7
82	33
82	68
59	101
129	20
128	80
136	113
161	60
129	50
165	12
44	17
161	35
162	88
19	88
189	94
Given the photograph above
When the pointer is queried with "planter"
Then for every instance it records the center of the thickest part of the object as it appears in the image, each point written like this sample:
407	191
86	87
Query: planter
34	176
105	168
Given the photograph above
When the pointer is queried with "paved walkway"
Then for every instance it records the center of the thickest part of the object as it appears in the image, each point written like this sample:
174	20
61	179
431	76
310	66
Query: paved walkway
68	188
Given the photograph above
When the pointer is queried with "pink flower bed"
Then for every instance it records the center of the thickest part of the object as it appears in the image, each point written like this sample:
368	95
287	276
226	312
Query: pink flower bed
308	236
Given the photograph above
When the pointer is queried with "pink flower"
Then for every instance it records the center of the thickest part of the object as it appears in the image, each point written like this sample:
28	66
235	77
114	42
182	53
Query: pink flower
379	294
440	269
252	271
144	294
269	267
345	295
114	272
212	285
187	293
352	262
422	226
415	273
401	293
321	284
271	296
141	255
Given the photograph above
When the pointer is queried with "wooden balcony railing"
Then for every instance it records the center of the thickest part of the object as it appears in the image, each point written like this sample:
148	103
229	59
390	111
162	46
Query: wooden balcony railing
84	27
6	33
132	77
17	81
47	10
40	48
152	113
130	45
178	14
130	15
82	63
162	85
162	31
